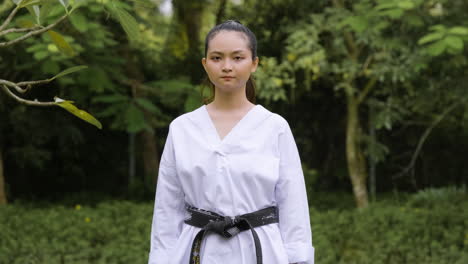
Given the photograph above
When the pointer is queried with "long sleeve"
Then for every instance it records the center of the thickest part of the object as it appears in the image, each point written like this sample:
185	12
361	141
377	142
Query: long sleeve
168	209
292	203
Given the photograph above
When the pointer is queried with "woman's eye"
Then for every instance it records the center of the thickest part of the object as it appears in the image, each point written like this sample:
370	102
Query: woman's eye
216	58
238	58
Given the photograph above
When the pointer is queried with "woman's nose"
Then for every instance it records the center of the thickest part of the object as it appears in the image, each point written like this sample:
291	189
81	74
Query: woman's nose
227	66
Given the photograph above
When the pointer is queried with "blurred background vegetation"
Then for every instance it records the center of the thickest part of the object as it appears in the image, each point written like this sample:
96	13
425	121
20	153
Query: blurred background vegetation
374	90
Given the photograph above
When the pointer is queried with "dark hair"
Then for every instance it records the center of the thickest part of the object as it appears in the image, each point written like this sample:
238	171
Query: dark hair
234	25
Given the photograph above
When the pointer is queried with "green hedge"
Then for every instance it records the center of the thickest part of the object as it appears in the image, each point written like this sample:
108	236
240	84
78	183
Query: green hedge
112	232
435	231
392	234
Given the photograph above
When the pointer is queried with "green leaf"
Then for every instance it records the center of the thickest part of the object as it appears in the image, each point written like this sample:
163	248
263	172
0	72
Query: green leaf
101	80
96	8
129	24
454	42
458	31
36	47
50	66
79	22
147	105
113	98
436	48
135	119
45	10
385	6
68	71
439	27
25	23
68	105
406	5
357	23
41	54
77	3
61	43
414	20
27	3
193	101
431	37
113	110
64	3
393	13
52	48
35	12
381	25
56	10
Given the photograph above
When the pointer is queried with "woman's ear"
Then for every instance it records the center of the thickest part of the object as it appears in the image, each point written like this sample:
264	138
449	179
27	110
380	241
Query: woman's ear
203	61
254	64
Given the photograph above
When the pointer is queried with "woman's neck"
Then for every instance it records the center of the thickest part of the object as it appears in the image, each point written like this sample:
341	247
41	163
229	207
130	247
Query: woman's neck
231	101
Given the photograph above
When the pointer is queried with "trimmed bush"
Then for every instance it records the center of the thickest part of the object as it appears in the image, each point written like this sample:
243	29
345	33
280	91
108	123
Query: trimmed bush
391	234
112	232
424	230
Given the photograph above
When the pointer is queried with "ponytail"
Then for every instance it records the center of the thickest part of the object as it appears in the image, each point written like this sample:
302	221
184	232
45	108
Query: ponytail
250	90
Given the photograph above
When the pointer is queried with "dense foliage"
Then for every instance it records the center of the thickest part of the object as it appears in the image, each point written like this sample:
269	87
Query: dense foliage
111	232
404	84
428	227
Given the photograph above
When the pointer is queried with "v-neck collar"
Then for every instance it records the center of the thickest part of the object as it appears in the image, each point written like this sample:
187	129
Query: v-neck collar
233	130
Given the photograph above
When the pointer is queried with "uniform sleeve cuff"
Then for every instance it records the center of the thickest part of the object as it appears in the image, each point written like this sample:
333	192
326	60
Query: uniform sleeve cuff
300	253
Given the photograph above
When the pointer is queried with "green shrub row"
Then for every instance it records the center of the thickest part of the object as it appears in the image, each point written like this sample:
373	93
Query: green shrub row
390	234
112	232
425	229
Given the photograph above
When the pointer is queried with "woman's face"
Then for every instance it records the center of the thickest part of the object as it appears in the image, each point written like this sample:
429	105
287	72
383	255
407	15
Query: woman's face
228	61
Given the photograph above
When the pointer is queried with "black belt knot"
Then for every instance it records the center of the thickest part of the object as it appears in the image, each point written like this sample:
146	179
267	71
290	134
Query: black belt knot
228	227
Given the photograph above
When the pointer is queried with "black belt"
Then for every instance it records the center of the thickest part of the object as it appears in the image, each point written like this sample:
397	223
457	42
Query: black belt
228	227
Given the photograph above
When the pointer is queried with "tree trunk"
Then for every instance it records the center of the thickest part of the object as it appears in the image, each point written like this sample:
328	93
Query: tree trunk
372	161
221	13
131	160
150	156
145	140
189	15
355	157
3	198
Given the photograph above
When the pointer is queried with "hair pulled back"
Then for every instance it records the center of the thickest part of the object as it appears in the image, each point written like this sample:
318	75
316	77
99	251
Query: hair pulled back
234	25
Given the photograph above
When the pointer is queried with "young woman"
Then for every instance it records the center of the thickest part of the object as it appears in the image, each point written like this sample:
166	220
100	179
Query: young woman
230	186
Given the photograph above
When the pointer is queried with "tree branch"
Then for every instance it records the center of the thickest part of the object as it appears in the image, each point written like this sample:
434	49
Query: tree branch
24	101
32	33
348	87
18	86
353	49
369	86
14	85
10	17
138	85
18	30
367	63
33	82
423	139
